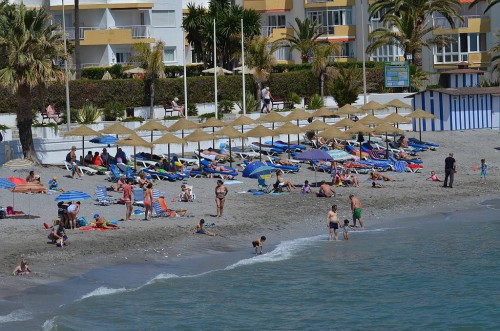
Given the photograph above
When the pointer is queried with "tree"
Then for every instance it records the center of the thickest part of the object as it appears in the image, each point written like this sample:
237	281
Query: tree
322	51
78	60
151	59
404	32
402	13
303	37
28	44
259	57
198	24
346	85
491	3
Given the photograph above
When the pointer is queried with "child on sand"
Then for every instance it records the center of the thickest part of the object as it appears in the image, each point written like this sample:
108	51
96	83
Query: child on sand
484	167
306	188
258	244
199	229
346	229
434	177
22	269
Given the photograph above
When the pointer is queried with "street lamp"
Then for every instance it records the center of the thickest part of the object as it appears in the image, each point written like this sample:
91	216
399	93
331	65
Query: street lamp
68	116
364	49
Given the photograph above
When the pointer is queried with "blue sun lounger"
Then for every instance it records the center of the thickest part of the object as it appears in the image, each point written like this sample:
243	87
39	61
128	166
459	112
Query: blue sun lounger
206	168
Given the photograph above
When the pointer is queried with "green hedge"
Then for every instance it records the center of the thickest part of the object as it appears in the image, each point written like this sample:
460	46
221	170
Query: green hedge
96	73
130	92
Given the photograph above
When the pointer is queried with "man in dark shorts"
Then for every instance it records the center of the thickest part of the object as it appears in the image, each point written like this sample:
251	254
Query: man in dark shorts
449	170
333	222
258	244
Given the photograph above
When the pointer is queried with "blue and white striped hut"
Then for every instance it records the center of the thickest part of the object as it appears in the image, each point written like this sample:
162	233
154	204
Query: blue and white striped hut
459	109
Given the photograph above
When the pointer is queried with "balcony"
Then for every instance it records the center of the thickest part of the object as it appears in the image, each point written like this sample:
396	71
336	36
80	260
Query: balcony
116	35
275	32
338	31
263	6
96	4
328	3
471	24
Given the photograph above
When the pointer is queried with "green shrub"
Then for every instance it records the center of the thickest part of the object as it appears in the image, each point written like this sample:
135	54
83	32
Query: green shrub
3	127
113	110
89	114
250	101
192	110
171	118
226	106
96	73
316	102
177	71
133	119
209	115
73	113
46	125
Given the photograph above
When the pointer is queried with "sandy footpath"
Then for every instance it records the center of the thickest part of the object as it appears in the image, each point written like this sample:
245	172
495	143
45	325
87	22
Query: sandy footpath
246	216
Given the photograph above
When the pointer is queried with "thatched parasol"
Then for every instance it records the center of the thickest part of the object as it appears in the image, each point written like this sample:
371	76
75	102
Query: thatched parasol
181	125
344	123
372	106
135	141
396	103
242	120
386	128
419	113
288	129
213	123
323	112
82	131
168	139
347	110
152	125
272	118
230	133
359	128
259	132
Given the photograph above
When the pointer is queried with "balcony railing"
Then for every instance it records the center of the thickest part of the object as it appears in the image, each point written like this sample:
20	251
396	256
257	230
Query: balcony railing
267	31
442	23
138	31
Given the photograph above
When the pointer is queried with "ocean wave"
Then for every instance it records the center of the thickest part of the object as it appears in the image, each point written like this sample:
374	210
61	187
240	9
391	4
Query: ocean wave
283	251
102	291
160	277
16	316
49	325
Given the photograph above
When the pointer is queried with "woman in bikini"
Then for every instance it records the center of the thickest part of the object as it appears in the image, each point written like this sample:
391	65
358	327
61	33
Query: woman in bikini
280	180
148	201
220	197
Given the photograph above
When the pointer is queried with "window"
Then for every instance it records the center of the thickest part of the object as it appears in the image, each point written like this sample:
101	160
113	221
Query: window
387	53
458	49
315	16
276	21
169	54
164	18
339	16
123	57
68	20
282	54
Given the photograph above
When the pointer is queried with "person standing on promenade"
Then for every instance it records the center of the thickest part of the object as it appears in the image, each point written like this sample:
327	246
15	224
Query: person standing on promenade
356	210
127	197
450	167
333	222
220	197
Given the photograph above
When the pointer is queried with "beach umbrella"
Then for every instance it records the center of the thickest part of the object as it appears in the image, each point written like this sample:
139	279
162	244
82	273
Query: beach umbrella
297	115
359	129
372	106
6	184
151	126
347	110
82	131
220	71
344	123
135	141
198	136
370	120
419	113
28	187
72	196
288	129
339	155
272	117
396	103
136	70
181	125
18	164
104	140
106	76
242	120
258	132
395	119
213	123
117	129
168	139
248	71
262	170
230	133
386	128
323	112
314	155
316	126
334	133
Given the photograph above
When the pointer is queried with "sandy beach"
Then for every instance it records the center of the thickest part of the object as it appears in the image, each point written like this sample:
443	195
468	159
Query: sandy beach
245	217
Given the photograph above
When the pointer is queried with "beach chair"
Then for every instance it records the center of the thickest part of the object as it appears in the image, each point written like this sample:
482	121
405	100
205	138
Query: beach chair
263	187
102	196
159	211
206	168
284	167
182	195
114	174
161	175
138	196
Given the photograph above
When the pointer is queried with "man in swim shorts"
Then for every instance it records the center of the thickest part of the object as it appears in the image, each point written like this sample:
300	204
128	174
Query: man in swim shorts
199	229
356	210
258	244
333	222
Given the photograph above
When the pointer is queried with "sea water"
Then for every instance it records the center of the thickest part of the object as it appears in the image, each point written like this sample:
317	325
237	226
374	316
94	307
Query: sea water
419	274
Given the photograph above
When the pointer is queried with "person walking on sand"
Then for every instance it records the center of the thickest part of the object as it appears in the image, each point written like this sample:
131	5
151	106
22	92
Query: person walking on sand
127	197
220	197
148	202
333	222
258	244
450	167
199	229
484	167
356	210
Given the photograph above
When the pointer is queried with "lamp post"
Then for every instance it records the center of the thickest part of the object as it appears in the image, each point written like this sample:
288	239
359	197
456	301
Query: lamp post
243	71
364	49
185	80
77	35
215	71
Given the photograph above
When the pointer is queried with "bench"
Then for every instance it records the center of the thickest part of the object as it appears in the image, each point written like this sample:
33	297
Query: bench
56	116
277	102
169	109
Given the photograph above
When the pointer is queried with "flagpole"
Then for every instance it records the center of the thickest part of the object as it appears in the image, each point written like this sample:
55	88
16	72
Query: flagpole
243	70
185	83
66	81
215	72
364	50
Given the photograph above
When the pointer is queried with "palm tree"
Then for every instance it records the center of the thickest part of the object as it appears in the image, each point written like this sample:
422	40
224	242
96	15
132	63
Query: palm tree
416	12
198	24
28	44
322	51
259	57
346	85
151	59
491	3
405	32
303	37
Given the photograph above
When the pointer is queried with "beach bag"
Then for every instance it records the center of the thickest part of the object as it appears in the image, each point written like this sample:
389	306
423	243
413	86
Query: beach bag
82	222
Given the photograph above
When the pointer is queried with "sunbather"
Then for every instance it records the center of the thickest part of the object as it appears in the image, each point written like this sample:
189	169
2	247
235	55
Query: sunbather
201	230
215	166
282	181
404	156
97	160
349	178
325	191
402	141
434	177
378	176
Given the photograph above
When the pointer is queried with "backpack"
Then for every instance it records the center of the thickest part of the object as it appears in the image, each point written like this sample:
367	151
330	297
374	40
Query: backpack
68	157
82	222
